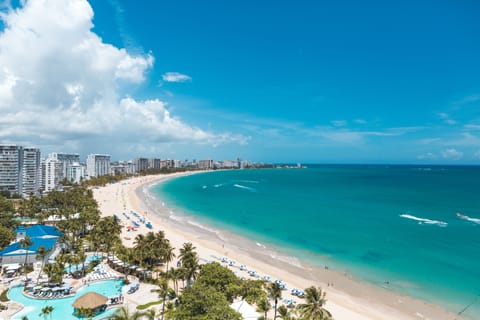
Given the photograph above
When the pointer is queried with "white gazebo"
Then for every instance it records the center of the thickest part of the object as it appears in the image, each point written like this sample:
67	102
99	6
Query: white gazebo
246	310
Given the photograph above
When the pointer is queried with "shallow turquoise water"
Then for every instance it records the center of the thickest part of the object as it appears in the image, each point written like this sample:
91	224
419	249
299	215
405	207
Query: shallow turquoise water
78	267
62	308
380	223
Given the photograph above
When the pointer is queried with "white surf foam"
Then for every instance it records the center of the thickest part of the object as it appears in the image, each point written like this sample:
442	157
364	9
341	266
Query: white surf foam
467	218
260	245
244	187
424	220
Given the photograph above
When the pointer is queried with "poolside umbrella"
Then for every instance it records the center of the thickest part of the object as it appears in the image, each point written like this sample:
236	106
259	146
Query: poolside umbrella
45	289
37	288
90	300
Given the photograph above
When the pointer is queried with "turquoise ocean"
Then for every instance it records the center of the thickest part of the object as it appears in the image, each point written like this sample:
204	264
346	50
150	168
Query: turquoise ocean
416	227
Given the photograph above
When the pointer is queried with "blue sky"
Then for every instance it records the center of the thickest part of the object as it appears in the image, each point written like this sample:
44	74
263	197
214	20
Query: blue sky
303	81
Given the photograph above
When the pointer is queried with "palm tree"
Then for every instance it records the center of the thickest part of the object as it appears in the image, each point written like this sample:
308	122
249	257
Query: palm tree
82	257
174	275
124	314
168	254
186	251
189	260
313	309
263	306
85	313
275	293
162	292
46	311
55	272
284	313
26	243
150	314
41	254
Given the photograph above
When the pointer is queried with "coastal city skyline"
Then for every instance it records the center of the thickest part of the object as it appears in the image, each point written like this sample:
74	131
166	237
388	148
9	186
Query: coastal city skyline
26	171
271	82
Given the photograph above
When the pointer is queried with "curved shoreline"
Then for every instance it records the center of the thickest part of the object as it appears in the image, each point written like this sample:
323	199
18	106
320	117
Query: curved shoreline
348	298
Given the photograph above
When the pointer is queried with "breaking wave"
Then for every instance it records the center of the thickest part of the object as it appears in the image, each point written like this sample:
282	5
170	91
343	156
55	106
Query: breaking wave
424	220
236	185
467	218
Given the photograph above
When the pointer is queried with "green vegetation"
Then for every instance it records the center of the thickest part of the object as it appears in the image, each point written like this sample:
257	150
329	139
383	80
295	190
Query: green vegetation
3	296
46	311
6	236
148	305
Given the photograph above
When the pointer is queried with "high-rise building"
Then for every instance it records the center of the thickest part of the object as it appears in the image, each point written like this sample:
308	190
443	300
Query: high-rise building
141	164
205	164
167	164
75	172
10	168
98	165
31	171
65	159
154	163
53	173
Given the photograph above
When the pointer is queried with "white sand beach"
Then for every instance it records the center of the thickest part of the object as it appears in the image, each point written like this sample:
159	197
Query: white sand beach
348	298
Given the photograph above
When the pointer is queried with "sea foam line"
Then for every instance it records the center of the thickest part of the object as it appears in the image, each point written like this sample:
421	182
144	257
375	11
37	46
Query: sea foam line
467	218
244	187
424	220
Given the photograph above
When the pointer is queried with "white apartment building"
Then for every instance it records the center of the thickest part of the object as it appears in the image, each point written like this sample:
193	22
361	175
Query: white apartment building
53	173
98	165
65	159
75	172
205	164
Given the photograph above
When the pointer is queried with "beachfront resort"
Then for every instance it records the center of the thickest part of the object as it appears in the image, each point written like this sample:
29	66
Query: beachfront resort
62	258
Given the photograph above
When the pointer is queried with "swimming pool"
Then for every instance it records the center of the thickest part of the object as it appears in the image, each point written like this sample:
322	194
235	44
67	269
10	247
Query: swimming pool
62	308
78	267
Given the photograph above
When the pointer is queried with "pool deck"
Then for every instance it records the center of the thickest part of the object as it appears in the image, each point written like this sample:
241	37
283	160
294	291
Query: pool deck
12	306
15	307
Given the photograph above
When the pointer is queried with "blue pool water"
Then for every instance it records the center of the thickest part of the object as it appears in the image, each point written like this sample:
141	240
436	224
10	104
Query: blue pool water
396	223
62	308
78	267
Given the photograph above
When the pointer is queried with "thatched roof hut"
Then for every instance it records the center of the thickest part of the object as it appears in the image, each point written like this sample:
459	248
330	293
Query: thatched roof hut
90	300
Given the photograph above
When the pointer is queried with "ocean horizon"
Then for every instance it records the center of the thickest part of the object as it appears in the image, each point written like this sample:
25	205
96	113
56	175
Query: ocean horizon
411	229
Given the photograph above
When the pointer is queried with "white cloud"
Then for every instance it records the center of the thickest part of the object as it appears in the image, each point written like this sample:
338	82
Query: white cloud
452	154
468	99
175	77
427	156
339	123
446	118
60	83
360	121
472	126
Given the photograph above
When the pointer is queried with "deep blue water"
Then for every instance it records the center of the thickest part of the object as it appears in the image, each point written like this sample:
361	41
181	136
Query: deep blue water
363	219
